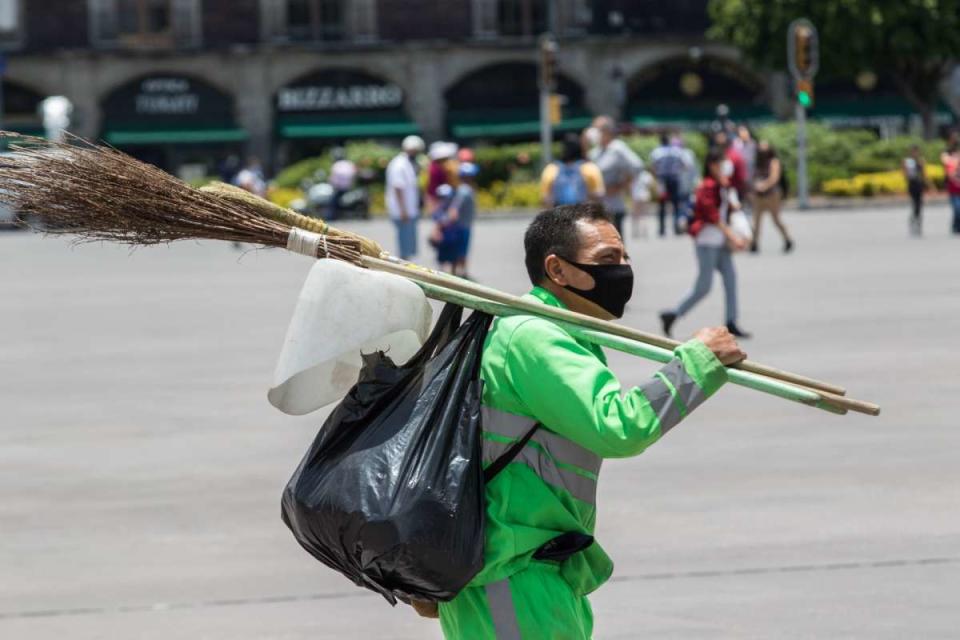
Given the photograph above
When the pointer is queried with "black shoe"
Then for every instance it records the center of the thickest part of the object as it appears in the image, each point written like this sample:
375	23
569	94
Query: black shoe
667	318
754	247
787	246
736	331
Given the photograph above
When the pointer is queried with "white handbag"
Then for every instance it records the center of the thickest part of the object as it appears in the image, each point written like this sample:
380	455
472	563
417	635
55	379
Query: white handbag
740	225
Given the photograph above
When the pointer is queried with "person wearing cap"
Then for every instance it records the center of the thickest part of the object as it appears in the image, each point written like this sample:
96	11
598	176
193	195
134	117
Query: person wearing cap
443	170
463	211
403	195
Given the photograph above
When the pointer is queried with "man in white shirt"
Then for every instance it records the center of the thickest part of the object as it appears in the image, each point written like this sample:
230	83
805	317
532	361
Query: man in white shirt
403	195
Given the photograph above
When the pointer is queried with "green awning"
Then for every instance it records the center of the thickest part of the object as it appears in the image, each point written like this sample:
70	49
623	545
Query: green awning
877	110
348	130
25	129
128	137
694	117
504	123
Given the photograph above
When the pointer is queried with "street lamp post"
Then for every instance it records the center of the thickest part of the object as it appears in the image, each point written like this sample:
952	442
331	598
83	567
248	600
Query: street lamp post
548	80
803	55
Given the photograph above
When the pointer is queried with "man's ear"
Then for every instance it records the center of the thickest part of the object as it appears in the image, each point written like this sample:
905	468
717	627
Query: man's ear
553	268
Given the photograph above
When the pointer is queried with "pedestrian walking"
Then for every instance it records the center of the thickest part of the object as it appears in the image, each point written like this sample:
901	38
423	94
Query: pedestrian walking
619	166
641	195
734	166
446	235
747	147
403	195
463	211
553	396
768	195
915	173
668	166
951	171
714	243
572	179
343	176
442	170
250	178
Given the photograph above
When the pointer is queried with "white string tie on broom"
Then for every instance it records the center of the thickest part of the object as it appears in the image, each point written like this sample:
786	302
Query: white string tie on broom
307	242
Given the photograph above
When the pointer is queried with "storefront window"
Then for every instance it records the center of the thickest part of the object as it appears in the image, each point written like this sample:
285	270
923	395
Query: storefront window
145	23
10	22
522	17
309	20
144	18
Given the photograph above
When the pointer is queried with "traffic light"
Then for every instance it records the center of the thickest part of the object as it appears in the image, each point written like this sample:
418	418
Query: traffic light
805	93
556	109
548	63
803	49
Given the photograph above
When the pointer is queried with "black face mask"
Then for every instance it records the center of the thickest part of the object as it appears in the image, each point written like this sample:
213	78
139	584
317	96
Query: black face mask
612	288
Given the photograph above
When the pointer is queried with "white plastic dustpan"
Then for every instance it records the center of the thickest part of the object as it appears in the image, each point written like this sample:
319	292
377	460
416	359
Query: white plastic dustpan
344	311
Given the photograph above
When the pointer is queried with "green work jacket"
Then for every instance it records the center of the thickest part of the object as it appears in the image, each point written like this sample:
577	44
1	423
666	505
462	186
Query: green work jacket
534	371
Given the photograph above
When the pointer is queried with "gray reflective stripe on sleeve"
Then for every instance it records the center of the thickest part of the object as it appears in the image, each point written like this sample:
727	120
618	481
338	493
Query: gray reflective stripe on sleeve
512	426
661	400
580	487
502	612
689	392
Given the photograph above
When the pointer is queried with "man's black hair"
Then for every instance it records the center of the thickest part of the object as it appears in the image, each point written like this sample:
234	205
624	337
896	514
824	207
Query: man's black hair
555	231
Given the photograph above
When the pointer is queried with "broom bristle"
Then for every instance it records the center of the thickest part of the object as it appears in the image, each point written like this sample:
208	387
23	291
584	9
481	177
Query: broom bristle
98	193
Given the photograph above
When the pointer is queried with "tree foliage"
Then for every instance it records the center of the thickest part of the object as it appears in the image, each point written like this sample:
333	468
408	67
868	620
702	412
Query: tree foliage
915	42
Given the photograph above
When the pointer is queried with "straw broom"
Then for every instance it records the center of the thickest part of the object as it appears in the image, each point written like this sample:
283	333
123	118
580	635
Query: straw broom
99	193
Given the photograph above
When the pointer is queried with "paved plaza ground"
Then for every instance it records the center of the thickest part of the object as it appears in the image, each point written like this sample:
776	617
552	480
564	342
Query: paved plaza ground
141	465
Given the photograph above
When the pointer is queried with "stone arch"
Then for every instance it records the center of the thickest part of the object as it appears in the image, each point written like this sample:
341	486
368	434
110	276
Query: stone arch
681	89
176	120
21	108
502	100
166	94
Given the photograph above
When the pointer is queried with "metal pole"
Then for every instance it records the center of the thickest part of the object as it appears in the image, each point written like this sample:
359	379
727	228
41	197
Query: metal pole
803	188
546	128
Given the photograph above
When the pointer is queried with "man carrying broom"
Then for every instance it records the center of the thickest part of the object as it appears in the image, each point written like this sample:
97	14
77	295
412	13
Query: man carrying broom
540	557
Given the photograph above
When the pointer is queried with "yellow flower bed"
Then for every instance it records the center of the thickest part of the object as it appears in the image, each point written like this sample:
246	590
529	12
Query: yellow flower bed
509	195
881	183
283	197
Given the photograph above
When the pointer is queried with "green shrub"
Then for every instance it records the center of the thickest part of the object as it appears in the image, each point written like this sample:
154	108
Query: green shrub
369	156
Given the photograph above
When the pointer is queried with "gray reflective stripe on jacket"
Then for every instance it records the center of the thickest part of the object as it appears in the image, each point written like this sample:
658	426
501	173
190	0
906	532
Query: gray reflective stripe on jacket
688	391
502	611
547	454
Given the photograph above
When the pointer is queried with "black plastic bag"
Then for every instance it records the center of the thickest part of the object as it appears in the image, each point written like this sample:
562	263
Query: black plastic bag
391	492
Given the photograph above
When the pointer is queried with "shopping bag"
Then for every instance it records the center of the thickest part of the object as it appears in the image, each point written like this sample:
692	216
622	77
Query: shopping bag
390	494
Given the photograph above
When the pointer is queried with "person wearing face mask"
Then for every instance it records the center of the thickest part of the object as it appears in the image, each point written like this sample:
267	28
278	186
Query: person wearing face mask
554	399
715	241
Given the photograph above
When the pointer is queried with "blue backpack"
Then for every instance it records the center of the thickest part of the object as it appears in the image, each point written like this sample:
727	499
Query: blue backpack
569	186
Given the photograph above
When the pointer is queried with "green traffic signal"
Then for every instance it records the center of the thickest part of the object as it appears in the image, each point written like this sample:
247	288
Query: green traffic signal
805	99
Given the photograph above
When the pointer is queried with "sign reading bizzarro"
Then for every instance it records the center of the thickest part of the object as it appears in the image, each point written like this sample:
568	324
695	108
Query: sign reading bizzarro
330	91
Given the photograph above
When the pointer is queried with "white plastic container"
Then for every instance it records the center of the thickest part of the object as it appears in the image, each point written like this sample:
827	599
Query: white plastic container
344	311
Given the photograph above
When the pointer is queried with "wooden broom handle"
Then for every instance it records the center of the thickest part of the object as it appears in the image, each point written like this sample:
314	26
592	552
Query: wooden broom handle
423	274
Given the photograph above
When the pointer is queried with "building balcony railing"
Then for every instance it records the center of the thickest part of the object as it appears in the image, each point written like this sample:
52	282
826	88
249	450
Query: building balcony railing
318	22
527	19
145	24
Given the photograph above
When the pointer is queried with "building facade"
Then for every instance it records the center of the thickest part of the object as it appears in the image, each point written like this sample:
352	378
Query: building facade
183	82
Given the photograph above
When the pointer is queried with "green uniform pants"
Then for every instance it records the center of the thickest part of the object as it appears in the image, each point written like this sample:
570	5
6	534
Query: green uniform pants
534	604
